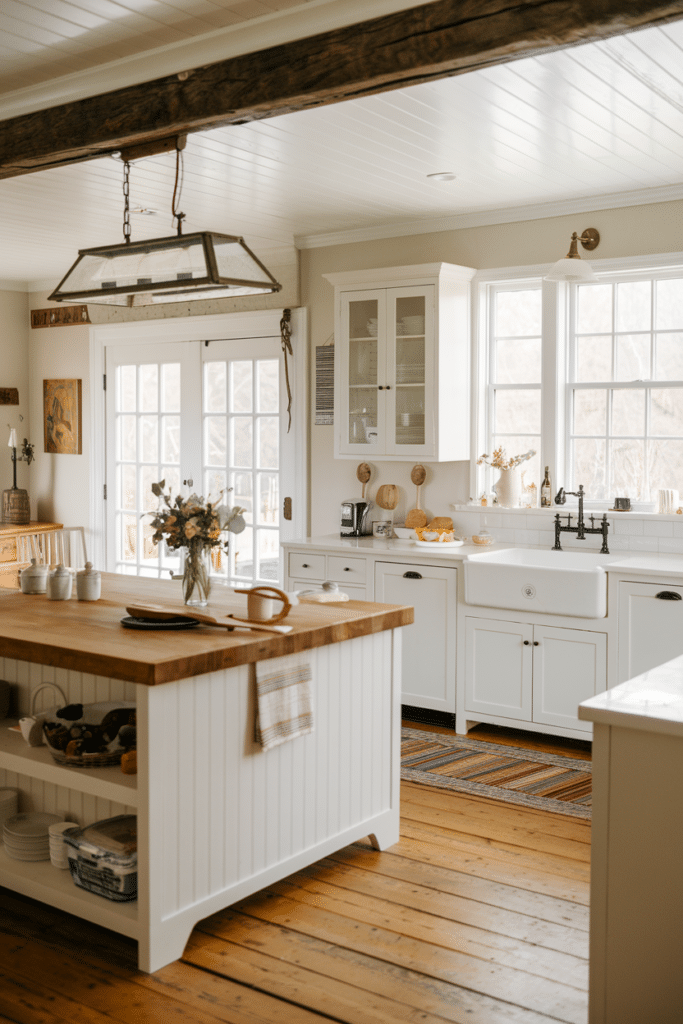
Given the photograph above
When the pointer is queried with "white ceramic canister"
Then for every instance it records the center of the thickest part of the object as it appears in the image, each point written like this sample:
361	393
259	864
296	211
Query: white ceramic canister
33	579
59	584
88	583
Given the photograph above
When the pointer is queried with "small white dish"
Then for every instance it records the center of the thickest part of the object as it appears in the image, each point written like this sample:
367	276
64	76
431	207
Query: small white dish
404	532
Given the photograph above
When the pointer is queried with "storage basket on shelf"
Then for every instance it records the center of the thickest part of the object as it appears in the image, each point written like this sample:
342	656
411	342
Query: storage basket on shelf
90	735
103	857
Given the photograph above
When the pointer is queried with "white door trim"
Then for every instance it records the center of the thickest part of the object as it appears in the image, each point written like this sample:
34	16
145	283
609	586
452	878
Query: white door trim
224	326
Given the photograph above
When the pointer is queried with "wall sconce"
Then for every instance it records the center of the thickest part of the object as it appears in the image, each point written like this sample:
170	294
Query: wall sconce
572	267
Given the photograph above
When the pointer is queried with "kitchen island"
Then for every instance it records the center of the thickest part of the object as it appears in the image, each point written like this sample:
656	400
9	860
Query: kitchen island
218	817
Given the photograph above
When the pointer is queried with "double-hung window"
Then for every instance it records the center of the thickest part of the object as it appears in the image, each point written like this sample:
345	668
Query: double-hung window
588	375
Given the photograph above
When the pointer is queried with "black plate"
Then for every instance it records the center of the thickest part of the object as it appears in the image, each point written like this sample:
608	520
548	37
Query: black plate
131	622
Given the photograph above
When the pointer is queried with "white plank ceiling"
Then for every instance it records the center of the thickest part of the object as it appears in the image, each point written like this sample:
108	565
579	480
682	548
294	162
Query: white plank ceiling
600	120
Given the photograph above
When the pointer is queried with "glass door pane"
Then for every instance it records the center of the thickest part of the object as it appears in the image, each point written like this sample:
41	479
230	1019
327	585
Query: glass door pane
409	347
144	391
241	443
363	371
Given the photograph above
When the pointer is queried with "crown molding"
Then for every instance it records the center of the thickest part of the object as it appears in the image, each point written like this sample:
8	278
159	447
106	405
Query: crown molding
274	29
488	218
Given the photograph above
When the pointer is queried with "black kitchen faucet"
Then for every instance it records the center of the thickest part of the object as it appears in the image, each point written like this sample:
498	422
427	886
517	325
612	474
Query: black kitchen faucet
580	529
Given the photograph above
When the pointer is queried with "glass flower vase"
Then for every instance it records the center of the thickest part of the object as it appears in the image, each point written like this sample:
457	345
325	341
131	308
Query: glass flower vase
197	574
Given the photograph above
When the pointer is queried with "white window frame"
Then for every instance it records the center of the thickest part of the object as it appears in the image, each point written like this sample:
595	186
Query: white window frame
556	386
221	327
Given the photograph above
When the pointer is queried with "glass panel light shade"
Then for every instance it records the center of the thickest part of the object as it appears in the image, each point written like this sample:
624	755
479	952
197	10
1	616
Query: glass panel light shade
173	269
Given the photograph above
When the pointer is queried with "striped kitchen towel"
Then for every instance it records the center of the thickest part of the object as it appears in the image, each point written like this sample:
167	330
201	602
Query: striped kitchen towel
283	700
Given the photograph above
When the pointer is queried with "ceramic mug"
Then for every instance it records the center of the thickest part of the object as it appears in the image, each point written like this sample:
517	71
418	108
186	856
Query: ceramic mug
260	603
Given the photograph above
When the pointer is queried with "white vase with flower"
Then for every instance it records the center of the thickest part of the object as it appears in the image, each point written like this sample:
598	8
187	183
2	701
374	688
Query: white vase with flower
199	527
508	486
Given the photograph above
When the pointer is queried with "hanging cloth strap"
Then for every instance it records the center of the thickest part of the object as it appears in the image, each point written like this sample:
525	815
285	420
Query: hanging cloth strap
287	350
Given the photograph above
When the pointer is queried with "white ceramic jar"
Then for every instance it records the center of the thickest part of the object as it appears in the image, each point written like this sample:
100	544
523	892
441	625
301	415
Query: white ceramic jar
88	583
59	584
33	579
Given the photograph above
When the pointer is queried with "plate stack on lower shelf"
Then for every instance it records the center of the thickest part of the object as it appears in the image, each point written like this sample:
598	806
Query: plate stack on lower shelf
26	836
59	851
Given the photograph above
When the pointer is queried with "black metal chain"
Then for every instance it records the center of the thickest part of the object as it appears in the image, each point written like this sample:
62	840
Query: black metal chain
126	201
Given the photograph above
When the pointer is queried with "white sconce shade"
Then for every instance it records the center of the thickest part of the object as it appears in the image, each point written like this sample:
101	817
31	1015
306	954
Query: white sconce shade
572	267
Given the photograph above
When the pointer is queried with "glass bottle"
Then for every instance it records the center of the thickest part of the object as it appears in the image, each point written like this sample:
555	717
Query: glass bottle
546	495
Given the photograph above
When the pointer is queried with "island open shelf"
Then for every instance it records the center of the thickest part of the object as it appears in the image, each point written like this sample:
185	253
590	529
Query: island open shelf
218	817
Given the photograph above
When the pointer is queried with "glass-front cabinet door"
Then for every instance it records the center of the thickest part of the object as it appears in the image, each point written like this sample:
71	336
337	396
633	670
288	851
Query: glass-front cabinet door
385	362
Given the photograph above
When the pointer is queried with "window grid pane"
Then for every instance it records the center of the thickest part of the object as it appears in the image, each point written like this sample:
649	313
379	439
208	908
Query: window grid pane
640	325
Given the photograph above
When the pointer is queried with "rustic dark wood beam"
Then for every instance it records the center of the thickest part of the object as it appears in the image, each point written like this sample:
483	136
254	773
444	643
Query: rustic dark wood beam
436	40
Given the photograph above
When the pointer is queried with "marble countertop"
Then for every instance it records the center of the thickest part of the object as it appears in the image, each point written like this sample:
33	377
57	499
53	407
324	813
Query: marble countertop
651	702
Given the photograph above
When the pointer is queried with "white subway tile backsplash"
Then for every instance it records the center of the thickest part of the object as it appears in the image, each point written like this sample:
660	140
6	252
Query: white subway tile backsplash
618	544
644	543
678	529
633	527
658	529
671	544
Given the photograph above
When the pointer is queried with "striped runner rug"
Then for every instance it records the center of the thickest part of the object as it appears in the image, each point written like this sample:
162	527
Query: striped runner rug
548	782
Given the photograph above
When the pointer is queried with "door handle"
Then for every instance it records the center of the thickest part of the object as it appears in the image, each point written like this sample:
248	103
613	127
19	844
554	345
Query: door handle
668	595
412	576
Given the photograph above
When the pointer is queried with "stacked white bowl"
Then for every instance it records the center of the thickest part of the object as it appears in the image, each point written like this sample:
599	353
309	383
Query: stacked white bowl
58	848
9	801
26	835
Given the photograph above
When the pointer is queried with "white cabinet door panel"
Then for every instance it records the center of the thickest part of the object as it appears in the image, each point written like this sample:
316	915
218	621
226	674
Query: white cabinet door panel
650	627
429	643
569	666
498	668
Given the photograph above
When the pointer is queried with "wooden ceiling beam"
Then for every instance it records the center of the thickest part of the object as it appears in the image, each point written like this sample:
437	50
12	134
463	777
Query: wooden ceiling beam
436	40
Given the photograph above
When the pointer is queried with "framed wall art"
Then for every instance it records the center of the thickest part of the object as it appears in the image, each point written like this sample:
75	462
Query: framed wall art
62	416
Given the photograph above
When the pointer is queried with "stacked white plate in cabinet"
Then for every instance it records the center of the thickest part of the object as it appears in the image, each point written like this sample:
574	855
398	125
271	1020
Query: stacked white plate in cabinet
26	836
8	804
58	848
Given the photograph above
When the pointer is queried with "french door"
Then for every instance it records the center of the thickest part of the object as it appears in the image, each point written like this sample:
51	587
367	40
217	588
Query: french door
205	418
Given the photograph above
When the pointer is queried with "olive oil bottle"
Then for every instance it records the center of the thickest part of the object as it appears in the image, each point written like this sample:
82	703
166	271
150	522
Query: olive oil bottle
546	490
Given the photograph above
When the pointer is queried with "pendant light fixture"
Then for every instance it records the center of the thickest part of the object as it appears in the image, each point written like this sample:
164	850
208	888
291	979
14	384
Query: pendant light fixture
572	267
176	268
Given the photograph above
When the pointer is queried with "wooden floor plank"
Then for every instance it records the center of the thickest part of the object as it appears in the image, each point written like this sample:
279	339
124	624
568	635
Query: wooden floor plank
499	982
448	880
495	828
449	933
465	910
513	815
431	997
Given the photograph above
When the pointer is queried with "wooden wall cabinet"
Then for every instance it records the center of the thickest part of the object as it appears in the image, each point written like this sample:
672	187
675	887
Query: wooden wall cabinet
401	372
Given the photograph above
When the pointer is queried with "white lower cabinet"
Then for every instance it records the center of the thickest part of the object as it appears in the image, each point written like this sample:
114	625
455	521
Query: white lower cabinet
532	673
429	644
650	626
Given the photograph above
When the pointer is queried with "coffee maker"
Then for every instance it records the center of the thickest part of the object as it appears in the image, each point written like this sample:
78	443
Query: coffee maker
355	520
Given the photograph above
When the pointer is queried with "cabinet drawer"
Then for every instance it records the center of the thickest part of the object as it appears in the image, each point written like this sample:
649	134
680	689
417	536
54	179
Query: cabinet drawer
305	566
346	570
8	549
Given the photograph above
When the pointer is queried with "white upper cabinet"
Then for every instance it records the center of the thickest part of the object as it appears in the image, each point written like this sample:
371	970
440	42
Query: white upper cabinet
402	367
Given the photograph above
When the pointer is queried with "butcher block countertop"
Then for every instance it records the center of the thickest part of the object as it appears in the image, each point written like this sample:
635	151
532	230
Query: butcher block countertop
87	636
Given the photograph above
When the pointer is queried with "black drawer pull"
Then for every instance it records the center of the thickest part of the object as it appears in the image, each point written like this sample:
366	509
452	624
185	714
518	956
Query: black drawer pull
527	643
305	565
537	643
412	576
668	595
347	568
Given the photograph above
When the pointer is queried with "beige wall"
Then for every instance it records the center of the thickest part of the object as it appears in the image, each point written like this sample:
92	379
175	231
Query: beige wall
14	373
627	232
60	484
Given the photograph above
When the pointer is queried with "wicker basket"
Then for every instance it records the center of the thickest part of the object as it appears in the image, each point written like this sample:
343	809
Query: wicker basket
93	715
